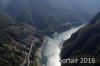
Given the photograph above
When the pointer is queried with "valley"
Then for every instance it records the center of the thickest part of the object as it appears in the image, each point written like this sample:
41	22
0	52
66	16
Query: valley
52	47
40	33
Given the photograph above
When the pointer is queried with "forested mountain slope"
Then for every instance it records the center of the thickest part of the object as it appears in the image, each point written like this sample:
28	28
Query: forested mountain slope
84	43
88	7
50	15
22	21
43	14
16	40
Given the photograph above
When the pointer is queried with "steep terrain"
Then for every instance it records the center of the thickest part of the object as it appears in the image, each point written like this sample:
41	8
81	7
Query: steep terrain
86	7
84	43
52	15
20	11
15	42
23	21
3	3
48	15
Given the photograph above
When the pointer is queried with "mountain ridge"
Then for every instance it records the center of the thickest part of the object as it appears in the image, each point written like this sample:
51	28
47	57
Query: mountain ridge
50	14
84	43
15	42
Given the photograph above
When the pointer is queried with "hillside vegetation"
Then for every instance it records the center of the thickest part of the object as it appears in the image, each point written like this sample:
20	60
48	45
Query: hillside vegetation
84	43
15	41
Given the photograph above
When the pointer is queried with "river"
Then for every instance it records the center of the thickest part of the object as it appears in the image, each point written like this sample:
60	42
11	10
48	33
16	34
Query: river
52	47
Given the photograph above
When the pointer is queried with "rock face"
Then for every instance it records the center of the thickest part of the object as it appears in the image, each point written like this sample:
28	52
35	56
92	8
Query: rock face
85	43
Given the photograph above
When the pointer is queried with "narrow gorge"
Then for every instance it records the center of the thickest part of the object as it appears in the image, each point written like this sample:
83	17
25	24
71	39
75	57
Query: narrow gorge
52	47
37	32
